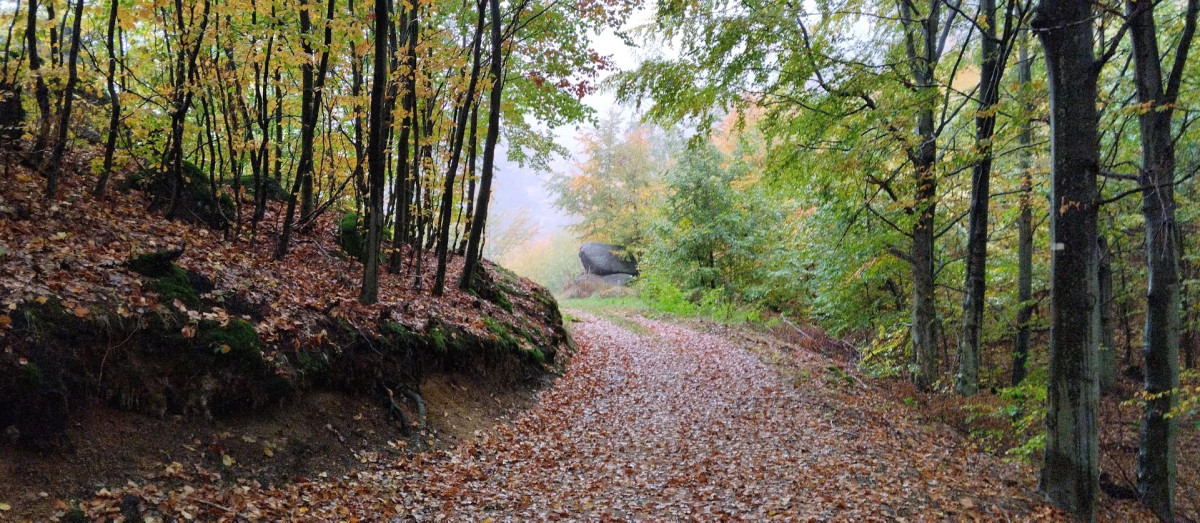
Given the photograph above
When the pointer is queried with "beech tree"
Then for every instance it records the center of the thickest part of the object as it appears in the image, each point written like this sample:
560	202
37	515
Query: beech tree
1070	470
1159	96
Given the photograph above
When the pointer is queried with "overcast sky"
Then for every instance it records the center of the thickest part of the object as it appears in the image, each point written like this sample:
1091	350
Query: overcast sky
518	188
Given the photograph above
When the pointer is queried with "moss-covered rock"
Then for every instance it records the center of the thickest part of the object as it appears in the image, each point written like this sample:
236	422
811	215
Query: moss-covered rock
197	203
273	189
237	339
155	264
351	237
176	285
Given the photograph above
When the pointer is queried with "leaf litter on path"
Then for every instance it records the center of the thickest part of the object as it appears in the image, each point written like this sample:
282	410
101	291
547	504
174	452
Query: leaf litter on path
670	425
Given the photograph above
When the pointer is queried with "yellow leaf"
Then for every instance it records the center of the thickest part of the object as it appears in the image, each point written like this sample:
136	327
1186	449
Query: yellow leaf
268	451
227	460
224	349
41	300
5	507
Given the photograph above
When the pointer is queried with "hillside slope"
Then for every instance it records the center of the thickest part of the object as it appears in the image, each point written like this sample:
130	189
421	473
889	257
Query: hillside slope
99	309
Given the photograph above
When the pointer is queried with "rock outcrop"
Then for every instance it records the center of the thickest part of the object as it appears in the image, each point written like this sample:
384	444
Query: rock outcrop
603	259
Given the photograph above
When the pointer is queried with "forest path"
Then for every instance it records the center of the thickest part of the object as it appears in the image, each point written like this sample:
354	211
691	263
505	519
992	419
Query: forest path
659	421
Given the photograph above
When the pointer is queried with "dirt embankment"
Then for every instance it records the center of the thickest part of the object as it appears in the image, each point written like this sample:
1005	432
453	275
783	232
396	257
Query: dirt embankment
136	347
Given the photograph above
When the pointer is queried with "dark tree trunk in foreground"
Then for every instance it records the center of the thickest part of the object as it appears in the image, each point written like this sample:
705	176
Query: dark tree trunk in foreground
1024	233
1156	450
1070	473
376	159
53	166
475	240
114	115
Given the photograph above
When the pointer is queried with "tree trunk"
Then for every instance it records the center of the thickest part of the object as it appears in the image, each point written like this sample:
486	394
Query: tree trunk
1070	473
41	93
991	70
460	131
924	159
376	158
475	240
53	167
473	143
1157	449
313	83
1024	234
400	231
114	115
182	96
1106	354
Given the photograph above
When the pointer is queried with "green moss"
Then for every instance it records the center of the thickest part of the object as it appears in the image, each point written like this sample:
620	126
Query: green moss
535	354
238	335
350	236
31	375
502	301
439	339
176	286
275	191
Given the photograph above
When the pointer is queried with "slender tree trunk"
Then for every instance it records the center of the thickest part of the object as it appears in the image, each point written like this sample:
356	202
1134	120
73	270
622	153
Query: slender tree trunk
278	168
471	178
400	229
182	97
1024	232
1070	472
475	240
41	93
114	115
924	159
1156	473
313	84
376	159
993	56
54	167
1106	372
460	131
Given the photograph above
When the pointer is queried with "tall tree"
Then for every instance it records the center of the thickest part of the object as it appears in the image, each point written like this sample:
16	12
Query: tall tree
924	42
1070	473
313	85
114	114
475	240
376	157
190	39
41	92
53	166
1157	449
1024	226
456	146
994	52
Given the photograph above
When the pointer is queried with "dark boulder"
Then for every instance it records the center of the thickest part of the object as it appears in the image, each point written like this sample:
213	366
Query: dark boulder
603	259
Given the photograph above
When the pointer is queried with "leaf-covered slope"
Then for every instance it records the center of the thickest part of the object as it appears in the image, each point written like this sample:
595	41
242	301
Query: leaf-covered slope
227	327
